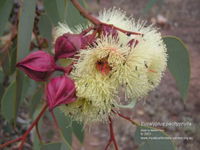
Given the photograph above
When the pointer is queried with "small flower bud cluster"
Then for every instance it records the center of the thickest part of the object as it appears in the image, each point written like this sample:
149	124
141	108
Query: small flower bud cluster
40	65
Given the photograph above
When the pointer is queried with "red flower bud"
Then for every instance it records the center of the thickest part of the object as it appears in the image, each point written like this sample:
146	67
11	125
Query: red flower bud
60	90
38	65
67	45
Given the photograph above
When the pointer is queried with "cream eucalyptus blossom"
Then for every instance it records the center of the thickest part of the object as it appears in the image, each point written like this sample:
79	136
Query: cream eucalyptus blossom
134	62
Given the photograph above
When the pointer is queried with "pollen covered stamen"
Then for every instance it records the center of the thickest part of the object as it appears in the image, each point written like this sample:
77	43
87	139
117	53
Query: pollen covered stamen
103	66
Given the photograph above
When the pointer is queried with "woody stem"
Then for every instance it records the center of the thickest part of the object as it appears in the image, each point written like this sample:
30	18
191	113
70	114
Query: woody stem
84	13
24	136
112	136
126	118
97	22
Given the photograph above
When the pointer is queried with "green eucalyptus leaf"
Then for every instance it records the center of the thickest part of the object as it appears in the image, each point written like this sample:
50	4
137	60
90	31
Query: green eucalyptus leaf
64	123
1	85
1	76
35	101
78	130
5	10
45	28
25	27
73	16
36	142
9	60
153	139
52	11
6	63
54	146
178	63
26	20
7	102
25	88
62	9
33	87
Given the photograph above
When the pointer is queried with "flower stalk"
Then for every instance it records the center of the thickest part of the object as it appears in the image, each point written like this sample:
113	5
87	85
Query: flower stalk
126	118
112	136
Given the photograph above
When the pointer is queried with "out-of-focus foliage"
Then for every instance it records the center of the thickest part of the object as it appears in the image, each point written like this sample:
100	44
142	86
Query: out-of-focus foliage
178	63
150	4
5	9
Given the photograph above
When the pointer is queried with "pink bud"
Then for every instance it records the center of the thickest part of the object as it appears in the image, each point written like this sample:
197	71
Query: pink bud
67	45
38	65
60	90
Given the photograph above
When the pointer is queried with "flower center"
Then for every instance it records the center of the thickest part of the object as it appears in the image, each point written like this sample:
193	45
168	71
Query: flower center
103	66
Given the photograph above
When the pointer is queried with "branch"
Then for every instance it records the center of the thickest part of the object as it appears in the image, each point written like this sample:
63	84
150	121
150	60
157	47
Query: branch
126	118
84	13
112	136
97	22
24	136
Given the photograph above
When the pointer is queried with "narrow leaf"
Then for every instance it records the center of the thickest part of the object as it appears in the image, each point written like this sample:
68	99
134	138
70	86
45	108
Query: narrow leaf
73	16
78	130
7	105
64	123
62	9
25	88
178	63
45	27
52	11
52	146
26	20
35	101
9	61
5	10
1	85
36	142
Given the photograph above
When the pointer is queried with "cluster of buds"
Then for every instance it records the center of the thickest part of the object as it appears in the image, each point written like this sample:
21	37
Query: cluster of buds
40	65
